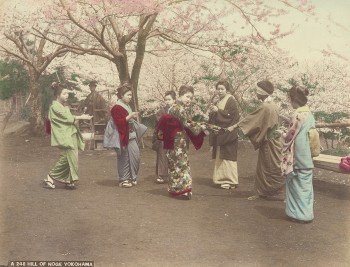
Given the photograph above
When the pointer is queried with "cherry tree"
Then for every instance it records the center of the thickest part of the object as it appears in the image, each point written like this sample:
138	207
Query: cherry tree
80	70
36	53
124	31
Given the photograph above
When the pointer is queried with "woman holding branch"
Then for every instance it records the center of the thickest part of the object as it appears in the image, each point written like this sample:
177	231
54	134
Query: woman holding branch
175	129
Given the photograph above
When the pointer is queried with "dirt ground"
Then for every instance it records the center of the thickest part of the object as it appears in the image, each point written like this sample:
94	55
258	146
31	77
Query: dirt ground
143	226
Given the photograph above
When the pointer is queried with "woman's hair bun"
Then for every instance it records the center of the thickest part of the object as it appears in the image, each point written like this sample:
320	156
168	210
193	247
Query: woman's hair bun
303	90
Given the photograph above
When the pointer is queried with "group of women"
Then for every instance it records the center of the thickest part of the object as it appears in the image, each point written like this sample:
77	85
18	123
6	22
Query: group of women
279	154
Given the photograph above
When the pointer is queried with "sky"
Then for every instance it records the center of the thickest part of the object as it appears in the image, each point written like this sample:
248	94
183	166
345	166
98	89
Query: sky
331	29
312	36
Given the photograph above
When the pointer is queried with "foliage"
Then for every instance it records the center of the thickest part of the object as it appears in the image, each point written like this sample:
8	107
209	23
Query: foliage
340	152
14	79
25	113
322	116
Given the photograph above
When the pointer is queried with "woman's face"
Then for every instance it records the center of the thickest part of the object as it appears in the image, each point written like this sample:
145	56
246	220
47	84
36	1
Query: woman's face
169	100
126	98
186	98
294	104
63	97
221	91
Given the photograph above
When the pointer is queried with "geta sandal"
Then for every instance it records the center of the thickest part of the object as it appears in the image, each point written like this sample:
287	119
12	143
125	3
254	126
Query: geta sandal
49	185
70	186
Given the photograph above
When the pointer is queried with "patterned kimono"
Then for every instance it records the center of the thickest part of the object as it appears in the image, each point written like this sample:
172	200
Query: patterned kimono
128	155
297	165
65	135
175	129
261	128
180	180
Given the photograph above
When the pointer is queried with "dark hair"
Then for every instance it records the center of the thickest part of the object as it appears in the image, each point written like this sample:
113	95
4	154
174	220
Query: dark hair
93	83
171	93
185	89
267	86
224	83
57	88
121	90
298	95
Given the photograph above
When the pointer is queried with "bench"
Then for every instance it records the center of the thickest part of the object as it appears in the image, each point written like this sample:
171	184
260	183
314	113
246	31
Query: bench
328	162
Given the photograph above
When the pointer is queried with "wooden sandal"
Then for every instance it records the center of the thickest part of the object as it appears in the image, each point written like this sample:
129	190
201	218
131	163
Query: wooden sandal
49	184
70	186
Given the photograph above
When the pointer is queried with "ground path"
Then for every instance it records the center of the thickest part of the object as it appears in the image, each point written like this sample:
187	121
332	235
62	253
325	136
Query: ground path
143	226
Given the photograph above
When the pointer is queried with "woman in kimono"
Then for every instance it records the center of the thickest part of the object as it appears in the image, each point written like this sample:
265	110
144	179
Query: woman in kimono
174	129
297	162
65	135
261	127
162	171
128	153
224	114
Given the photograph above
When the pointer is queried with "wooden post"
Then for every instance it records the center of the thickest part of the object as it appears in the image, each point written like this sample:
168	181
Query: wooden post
333	125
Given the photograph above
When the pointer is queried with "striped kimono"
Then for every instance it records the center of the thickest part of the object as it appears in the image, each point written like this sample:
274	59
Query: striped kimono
128	152
65	135
261	127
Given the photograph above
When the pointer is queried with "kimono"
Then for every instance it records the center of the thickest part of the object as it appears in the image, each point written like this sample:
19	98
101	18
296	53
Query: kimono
157	145
175	128
65	135
95	102
261	127
225	145
297	165
128	152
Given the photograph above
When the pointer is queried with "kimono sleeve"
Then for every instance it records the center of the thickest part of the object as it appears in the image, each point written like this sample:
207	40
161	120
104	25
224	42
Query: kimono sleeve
119	115
61	115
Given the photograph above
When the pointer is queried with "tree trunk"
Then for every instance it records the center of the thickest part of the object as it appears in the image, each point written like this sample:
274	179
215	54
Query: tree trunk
36	118
124	76
123	69
136	70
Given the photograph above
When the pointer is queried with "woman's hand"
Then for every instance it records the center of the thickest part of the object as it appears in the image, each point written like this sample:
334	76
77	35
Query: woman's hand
231	128
132	115
83	117
213	108
203	127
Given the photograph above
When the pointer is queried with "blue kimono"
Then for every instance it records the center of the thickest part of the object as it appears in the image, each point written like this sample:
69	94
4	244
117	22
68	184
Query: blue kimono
299	188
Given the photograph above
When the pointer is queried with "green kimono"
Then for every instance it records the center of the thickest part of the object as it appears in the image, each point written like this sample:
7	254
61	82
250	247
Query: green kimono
65	135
